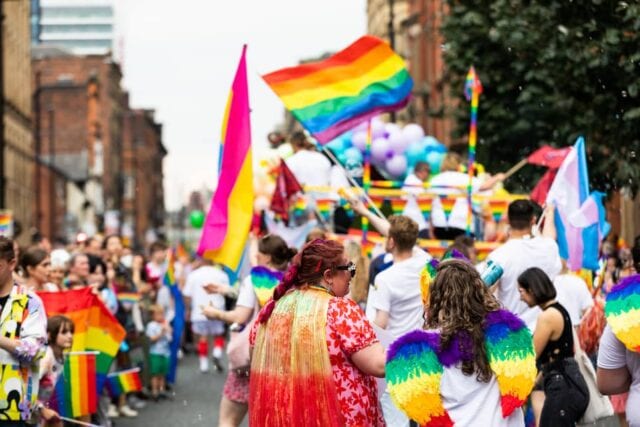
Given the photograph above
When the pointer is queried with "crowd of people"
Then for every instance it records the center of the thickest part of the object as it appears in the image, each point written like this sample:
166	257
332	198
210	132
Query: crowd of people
307	332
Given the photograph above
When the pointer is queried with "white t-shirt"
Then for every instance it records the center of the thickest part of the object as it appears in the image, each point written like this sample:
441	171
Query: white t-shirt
470	402
614	355
573	294
246	295
458	216
310	168
413	186
199	297
398	293
516	256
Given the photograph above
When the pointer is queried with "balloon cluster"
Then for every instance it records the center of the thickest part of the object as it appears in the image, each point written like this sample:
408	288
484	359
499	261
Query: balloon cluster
394	150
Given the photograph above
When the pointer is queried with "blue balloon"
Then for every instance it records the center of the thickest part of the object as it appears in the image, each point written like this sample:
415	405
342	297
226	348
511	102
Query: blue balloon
435	159
353	154
430	141
440	148
342	158
415	153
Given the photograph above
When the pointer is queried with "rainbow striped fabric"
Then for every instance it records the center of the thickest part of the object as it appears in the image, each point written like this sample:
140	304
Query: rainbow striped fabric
75	393
124	382
324	207
331	96
447	204
6	220
397	206
622	310
425	204
129	297
264	281
416	362
498	208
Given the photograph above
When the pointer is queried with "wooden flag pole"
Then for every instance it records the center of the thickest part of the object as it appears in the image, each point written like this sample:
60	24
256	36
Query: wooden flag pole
515	168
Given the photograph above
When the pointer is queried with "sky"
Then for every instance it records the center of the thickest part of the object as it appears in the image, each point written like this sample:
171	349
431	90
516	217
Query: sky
179	58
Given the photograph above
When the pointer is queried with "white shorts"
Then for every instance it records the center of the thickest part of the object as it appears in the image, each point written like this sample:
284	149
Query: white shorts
208	327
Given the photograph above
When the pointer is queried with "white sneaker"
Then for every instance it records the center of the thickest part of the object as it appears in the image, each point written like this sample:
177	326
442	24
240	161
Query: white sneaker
204	364
112	412
217	352
128	412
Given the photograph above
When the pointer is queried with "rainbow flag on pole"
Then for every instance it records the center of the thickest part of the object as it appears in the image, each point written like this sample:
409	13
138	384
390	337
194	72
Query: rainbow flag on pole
124	382
226	228
331	96
75	393
96	329
177	324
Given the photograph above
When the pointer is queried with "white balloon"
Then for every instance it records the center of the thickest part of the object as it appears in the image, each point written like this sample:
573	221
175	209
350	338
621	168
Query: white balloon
413	132
398	142
391	128
380	149
396	166
359	140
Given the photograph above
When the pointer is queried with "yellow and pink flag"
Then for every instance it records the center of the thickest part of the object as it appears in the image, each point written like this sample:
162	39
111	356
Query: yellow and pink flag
226	228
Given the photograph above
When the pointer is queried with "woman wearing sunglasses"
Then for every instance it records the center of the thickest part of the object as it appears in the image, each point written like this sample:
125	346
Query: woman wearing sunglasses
314	353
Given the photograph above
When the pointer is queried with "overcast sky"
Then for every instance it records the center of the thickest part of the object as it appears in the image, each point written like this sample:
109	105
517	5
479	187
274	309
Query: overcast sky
179	58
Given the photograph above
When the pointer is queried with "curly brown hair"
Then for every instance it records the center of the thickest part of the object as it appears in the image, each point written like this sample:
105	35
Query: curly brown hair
458	304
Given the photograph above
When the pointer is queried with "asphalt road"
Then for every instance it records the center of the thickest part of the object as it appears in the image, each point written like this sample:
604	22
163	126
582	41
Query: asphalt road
196	401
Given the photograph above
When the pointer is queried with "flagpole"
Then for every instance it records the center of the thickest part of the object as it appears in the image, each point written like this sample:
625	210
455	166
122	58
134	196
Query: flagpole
473	83
353	182
74	421
515	168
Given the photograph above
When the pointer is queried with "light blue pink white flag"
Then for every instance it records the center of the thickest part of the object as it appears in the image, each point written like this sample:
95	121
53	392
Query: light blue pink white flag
580	215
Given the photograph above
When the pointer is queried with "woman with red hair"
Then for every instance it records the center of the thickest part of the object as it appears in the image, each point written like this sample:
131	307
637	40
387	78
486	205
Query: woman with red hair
315	355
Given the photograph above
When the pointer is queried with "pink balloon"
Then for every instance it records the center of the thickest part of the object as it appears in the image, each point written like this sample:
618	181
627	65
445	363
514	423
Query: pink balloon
396	166
380	149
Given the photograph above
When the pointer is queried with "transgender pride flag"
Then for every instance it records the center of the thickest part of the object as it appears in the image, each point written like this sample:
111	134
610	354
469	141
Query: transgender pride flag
580	215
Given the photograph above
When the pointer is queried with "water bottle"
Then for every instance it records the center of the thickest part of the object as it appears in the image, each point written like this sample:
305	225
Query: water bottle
492	273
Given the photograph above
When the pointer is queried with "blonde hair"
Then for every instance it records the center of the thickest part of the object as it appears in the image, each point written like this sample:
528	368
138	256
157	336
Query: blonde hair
360	286
451	162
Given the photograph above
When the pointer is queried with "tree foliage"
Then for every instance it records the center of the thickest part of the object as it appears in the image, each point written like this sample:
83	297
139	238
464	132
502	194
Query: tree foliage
551	71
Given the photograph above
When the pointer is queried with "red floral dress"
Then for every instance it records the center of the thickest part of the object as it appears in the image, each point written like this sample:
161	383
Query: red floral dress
348	331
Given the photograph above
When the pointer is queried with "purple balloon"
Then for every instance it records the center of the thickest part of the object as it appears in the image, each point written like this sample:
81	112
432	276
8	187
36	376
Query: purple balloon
413	132
391	128
377	129
396	166
359	140
380	149
398	142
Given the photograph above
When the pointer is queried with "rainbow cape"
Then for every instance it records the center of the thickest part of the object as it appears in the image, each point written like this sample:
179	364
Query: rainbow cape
416	362
622	310
124	382
264	281
332	96
75	393
96	329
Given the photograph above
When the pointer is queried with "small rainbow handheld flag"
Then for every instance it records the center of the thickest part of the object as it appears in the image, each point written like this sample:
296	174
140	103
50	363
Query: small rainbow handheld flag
124	382
76	393
129	297
331	96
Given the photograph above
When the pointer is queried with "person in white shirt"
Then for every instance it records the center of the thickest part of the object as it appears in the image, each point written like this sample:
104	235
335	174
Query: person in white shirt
414	186
453	183
523	251
572	292
196	297
397	299
310	167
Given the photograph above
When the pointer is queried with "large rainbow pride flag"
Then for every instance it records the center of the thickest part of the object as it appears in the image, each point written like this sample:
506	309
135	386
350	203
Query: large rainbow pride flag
96	329
331	96
226	228
75	393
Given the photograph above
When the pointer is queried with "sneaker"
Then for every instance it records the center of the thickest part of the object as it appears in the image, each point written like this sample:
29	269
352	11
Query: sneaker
217	352
112	412
217	364
204	364
128	412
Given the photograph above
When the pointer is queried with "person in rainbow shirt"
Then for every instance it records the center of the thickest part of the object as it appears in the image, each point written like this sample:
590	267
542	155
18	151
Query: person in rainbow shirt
23	324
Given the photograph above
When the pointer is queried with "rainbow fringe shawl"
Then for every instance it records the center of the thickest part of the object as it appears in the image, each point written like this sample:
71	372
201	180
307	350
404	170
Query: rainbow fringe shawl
622	310
415	364
264	281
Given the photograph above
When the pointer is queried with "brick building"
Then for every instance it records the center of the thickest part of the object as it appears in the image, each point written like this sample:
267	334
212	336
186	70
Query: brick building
143	196
79	108
16	141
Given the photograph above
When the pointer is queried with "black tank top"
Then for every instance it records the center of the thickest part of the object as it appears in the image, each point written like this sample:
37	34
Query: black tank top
562	348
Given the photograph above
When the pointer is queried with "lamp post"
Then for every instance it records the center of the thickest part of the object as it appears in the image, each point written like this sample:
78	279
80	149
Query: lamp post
392	43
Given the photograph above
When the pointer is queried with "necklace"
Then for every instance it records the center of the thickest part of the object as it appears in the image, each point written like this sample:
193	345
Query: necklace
321	288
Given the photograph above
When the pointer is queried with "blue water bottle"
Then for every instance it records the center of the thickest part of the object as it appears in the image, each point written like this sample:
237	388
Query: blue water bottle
492	273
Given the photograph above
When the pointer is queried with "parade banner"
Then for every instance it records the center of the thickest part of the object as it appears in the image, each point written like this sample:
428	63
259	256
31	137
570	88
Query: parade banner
96	329
332	96
76	393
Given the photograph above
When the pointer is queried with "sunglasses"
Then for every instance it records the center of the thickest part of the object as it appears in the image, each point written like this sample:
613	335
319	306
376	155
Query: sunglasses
351	268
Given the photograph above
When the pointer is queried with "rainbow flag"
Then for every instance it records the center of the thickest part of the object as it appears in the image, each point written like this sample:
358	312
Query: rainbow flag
378	201
6	223
397	205
124	382
300	206
498	207
75	393
129	297
332	96
447	204
324	207
96	329
226	228
425	204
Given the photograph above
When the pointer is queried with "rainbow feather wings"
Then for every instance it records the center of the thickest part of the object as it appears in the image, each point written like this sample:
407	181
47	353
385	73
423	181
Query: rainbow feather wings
415	365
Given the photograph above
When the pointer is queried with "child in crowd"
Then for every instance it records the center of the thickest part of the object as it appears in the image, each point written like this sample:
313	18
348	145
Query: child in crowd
159	333
60	335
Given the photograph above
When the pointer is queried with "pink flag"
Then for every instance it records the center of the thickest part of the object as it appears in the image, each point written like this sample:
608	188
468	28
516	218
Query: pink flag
226	228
